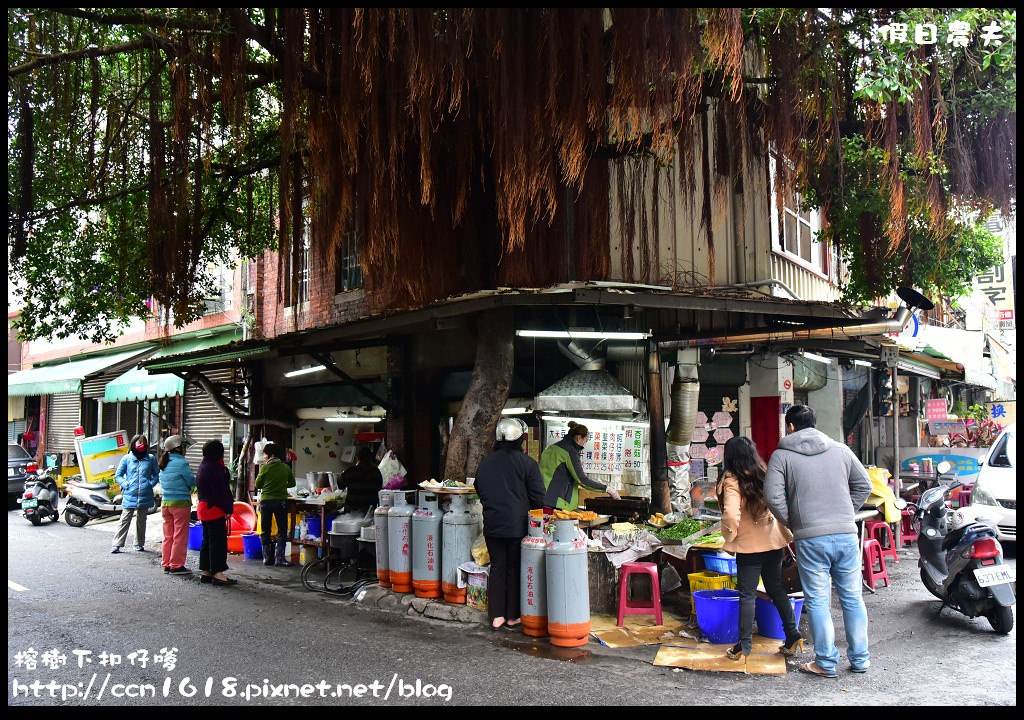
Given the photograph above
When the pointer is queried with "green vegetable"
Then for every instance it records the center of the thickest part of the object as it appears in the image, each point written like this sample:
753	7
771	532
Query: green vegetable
681	530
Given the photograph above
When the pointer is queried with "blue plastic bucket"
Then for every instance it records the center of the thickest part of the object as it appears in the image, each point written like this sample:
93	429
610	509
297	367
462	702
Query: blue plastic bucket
769	623
252	547
313	525
718	615
195	536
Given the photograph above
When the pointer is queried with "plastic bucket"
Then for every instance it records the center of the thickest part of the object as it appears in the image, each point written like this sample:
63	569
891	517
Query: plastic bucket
235	544
243	519
718	615
252	547
769	623
313	525
195	536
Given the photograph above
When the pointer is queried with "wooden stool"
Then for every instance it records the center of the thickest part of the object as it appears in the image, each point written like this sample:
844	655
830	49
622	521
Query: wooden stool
873	553
639	607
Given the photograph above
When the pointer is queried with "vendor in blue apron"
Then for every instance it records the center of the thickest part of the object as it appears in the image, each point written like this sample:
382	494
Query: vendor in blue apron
563	473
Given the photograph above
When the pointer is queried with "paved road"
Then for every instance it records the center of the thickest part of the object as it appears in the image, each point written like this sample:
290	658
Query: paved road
267	633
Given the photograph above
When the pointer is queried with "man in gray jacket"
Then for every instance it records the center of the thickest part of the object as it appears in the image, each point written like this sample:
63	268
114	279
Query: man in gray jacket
814	486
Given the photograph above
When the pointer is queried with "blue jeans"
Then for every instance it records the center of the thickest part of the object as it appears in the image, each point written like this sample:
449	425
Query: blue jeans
838	557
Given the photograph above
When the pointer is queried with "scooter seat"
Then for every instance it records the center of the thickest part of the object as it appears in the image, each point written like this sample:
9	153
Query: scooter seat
953	538
93	486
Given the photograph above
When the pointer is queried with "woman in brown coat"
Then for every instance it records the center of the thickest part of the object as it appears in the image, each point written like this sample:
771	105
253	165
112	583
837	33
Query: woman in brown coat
757	538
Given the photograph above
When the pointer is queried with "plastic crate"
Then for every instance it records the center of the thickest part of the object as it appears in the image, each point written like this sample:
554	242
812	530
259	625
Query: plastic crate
710	580
724	565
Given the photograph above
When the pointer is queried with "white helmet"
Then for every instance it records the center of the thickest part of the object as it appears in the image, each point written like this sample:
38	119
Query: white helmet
510	429
958	518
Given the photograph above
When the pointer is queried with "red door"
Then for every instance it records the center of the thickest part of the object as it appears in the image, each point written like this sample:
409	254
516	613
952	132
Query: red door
765	423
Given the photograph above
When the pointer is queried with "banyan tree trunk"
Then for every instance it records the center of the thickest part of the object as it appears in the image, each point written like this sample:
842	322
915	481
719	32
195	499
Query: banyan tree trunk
472	437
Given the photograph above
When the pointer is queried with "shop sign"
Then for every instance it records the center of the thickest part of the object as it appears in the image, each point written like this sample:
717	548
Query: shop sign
947	427
612	449
1003	412
935	410
722	419
700	434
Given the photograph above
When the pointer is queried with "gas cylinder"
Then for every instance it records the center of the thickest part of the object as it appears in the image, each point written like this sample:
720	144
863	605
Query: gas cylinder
426	542
400	542
568	586
380	527
458	534
533	581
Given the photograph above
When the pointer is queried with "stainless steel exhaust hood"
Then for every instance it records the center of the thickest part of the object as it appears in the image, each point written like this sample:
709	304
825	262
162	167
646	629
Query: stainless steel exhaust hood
583	391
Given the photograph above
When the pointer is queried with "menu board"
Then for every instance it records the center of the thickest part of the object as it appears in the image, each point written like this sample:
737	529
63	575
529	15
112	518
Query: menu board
613	447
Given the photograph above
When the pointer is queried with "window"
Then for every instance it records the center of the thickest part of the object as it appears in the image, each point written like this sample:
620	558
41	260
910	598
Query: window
349	274
220	298
794	231
299	270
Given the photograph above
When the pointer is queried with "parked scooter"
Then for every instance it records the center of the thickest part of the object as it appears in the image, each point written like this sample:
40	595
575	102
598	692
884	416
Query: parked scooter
41	496
88	501
961	560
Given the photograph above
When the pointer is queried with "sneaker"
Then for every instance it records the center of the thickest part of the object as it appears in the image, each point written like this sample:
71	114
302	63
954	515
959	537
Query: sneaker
179	571
115	550
140	548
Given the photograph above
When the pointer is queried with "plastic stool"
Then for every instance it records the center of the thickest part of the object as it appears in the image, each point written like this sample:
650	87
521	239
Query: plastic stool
880	530
907	525
639	607
873	552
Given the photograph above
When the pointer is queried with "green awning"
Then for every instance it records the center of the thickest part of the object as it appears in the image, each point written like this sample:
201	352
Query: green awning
65	378
191	361
139	384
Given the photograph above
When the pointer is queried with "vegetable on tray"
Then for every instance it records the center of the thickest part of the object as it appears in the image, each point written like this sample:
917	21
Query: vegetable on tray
682	530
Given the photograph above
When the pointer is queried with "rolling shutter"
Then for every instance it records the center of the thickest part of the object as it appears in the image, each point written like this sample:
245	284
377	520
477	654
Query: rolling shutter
63	417
93	387
203	419
15	428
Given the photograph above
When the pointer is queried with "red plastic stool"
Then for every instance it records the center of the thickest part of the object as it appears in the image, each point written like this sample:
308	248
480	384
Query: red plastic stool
880	531
639	607
907	531
872	553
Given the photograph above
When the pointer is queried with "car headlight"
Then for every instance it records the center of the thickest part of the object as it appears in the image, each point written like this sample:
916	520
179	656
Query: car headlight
981	496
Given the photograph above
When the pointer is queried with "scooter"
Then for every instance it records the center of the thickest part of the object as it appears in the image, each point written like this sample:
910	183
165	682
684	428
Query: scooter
88	501
40	498
961	560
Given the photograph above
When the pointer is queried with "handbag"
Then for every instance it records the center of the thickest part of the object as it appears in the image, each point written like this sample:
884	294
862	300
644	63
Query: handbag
790	571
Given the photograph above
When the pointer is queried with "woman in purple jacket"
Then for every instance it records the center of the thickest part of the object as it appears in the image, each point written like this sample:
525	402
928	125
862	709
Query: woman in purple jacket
214	510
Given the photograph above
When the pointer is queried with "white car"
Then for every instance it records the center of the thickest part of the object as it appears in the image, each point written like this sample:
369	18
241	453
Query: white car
996	485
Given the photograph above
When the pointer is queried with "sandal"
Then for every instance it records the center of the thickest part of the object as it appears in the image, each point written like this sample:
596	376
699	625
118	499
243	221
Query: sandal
812	668
735	652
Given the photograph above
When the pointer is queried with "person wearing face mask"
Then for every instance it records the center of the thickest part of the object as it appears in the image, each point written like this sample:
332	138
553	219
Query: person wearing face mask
137	474
563	473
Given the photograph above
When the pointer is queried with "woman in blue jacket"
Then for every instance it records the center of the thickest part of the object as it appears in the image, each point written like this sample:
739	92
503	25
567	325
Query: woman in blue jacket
137	475
178	483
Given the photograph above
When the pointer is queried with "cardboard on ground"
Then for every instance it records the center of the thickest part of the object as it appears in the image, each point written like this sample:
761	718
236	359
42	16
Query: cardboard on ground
764	658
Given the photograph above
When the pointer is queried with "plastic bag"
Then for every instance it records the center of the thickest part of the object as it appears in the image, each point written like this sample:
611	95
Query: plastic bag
390	466
480	553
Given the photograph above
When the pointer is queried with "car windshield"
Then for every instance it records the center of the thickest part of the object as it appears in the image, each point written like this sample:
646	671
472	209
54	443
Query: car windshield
17	452
1005	453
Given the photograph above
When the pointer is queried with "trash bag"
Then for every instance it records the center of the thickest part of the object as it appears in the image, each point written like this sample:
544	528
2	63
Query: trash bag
480	553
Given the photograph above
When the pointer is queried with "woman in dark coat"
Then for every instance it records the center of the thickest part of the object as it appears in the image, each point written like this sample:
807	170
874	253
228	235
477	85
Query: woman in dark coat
509	485
216	505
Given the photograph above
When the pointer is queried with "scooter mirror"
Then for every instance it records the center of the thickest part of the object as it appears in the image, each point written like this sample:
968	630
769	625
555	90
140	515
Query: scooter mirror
944	467
900	503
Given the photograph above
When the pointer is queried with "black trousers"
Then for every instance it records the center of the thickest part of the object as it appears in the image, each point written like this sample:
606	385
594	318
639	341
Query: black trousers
503	581
270	509
767	566
213	554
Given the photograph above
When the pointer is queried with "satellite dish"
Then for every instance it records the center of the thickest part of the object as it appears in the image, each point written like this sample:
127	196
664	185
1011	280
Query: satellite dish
914	299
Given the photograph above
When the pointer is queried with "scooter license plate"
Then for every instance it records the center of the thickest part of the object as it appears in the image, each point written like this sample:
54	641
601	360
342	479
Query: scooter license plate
29	503
995	575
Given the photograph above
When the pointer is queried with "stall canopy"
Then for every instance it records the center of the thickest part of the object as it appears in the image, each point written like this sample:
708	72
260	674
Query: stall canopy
65	378
138	384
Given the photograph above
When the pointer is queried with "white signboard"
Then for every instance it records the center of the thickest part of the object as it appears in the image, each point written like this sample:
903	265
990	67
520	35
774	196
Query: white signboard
613	448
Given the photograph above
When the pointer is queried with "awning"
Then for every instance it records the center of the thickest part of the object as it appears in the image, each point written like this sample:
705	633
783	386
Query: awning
197	359
138	383
929	367
64	378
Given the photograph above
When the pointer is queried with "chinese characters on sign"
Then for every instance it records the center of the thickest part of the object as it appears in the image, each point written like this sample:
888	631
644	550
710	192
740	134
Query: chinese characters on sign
956	33
936	410
611	450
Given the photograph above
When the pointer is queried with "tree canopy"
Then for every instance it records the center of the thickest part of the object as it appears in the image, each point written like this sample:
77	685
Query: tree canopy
142	144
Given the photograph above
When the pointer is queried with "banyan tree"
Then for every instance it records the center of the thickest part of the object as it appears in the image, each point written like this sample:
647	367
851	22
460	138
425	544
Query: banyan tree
142	143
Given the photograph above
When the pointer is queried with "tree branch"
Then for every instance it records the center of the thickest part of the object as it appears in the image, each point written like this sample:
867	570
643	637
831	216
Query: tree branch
90	52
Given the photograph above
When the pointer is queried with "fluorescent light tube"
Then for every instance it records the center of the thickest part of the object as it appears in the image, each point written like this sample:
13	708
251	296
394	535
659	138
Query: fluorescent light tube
516	411
353	419
862	363
812	356
304	371
583	335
